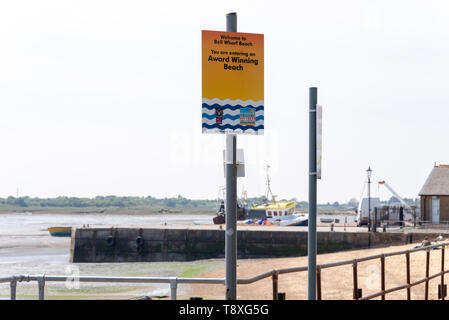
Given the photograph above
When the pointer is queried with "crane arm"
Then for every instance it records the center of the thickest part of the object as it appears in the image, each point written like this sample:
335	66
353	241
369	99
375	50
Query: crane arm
394	193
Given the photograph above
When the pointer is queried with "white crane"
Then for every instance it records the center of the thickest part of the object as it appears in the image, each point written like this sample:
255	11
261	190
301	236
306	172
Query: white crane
395	194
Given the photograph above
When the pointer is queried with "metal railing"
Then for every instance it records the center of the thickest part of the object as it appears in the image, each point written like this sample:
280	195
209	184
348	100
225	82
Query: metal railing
426	224
274	274
43	279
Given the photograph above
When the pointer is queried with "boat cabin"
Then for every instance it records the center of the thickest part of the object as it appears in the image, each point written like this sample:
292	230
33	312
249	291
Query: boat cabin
280	212
276	209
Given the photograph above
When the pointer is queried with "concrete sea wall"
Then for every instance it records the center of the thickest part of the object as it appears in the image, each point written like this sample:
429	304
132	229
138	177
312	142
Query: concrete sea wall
151	244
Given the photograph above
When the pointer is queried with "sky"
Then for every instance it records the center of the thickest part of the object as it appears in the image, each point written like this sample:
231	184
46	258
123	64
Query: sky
104	97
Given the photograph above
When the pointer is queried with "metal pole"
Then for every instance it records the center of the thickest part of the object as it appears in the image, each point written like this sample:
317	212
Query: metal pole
414	217
13	287
173	288
369	204
375	220
231	198
41	286
311	243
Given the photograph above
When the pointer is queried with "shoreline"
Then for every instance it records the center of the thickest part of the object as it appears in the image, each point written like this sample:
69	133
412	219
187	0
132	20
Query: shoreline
144	211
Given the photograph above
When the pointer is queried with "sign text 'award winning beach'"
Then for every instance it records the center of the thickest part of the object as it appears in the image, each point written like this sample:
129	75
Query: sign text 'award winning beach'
233	82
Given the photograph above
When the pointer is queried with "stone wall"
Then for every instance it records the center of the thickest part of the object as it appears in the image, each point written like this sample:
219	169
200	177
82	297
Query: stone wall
186	244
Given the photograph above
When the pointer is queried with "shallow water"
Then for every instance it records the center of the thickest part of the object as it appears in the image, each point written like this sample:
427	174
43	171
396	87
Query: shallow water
26	247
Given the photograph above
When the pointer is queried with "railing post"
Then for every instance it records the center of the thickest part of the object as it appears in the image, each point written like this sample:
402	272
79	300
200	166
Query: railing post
426	293
318	282
407	256
173	287
13	286
41	285
354	274
274	277
382	276
442	273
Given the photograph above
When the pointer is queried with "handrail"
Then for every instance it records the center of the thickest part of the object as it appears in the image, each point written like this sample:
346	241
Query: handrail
173	281
56	278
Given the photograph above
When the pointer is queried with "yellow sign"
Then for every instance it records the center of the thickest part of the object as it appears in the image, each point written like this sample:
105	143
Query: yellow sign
233	82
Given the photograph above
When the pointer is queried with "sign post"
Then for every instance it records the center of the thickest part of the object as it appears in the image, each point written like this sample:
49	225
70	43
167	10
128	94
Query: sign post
311	235
231	199
232	103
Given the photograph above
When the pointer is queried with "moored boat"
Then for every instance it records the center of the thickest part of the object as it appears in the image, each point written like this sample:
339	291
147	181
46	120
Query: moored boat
60	231
278	213
326	220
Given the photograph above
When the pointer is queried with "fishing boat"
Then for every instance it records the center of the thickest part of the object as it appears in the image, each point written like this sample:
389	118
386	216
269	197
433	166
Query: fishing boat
278	213
60	231
220	214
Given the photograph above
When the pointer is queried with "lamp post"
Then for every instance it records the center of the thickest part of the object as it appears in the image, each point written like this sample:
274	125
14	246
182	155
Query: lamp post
368	172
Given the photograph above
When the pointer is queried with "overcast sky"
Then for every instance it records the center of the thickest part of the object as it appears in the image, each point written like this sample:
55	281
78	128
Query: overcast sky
104	97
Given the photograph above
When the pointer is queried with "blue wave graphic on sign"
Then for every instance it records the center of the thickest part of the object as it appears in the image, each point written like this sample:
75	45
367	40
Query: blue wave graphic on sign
232	116
228	116
229	107
228	126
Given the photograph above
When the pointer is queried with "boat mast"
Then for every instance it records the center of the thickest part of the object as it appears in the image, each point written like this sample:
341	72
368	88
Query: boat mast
268	186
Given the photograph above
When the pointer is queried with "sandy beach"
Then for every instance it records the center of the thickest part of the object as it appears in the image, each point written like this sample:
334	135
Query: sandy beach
337	283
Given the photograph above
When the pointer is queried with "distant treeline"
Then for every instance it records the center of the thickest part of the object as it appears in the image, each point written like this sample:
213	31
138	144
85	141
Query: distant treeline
107	201
149	201
122	202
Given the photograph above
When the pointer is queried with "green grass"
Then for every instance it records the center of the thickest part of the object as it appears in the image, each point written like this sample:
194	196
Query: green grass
196	269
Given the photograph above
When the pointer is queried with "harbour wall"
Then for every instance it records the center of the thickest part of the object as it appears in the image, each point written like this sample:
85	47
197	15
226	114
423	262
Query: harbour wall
153	244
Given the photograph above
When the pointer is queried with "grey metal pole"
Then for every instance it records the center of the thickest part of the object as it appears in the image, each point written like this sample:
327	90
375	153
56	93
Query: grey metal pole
231	198
311	244
414	217
13	288
231	22
173	288
375	220
41	286
369	204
